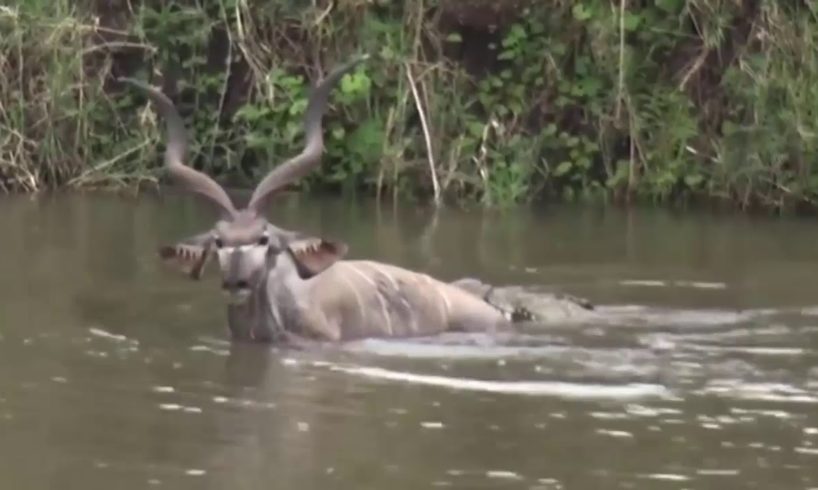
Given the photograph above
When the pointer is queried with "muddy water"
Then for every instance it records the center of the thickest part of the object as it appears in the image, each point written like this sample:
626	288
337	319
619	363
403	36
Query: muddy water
115	373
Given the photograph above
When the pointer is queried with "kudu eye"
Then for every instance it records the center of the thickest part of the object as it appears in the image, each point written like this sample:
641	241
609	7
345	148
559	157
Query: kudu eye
264	240
218	242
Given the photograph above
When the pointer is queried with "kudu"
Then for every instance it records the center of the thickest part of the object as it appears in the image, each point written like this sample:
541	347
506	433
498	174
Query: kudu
286	286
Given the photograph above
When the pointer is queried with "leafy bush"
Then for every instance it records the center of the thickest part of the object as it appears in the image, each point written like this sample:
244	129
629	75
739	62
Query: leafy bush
497	101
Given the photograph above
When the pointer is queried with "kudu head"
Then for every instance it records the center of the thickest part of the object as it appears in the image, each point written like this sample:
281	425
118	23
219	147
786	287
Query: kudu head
246	244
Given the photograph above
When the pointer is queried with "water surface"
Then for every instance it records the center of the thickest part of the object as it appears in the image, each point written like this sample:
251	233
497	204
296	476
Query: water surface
116	372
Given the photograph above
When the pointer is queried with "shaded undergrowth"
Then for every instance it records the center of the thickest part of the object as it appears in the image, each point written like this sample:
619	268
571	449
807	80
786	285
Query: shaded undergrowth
492	101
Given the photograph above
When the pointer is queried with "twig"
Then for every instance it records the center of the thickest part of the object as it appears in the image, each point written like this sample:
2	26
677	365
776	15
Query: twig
426	239
323	15
241	31
697	65
107	163
621	88
454	156
400	108
119	44
480	160
631	170
228	62
426	133
390	120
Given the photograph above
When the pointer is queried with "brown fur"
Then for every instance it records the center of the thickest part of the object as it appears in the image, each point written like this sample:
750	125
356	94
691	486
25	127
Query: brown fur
357	299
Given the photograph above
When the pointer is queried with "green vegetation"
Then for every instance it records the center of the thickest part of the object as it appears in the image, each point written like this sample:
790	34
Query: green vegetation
496	101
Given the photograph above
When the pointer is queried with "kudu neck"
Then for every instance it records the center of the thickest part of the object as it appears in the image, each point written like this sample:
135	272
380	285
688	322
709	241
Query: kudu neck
259	317
248	321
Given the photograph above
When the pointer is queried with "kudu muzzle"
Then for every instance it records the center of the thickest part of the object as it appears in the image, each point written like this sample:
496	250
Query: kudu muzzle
243	270
236	276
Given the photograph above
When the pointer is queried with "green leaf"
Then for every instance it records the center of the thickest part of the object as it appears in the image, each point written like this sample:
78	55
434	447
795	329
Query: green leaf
563	168
249	113
518	32
298	107
632	21
475	128
584	163
693	180
549	130
388	53
537	27
355	83
254	140
366	141
516	107
581	12
670	6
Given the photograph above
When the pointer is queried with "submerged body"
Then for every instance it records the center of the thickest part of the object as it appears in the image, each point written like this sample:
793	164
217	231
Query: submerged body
523	304
355	299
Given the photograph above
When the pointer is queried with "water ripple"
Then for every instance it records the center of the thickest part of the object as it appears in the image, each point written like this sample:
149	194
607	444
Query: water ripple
530	388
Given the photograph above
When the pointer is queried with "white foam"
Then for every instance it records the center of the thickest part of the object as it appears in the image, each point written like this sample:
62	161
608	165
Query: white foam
643	283
529	388
98	332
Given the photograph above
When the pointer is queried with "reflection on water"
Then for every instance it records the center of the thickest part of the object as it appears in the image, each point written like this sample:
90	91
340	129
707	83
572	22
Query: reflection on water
699	373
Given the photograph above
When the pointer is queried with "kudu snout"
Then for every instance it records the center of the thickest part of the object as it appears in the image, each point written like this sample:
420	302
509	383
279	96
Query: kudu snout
235	285
242	267
235	282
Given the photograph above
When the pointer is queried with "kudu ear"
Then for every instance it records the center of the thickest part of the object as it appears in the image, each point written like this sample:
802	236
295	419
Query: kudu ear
189	255
313	255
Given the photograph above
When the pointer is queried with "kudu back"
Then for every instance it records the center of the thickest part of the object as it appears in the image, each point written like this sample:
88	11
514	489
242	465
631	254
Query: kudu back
285	286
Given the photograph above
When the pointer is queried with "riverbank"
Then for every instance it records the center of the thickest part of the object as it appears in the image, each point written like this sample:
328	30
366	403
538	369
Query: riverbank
489	101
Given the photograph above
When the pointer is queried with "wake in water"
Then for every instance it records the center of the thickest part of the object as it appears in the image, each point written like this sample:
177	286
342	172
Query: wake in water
531	388
634	352
626	352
